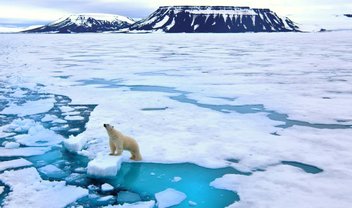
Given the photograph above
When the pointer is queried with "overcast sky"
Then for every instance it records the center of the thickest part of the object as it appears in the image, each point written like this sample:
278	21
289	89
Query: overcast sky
26	12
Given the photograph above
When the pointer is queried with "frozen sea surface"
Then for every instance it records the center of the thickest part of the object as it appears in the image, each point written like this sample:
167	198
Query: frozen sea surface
255	115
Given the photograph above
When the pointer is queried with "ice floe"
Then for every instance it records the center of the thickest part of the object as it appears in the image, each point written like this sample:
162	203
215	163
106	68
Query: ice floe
14	164
25	151
30	107
169	197
29	190
104	166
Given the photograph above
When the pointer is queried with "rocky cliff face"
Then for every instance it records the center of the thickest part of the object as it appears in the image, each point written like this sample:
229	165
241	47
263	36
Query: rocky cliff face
216	19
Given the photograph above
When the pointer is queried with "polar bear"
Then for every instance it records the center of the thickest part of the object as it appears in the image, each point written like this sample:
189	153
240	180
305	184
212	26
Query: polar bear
119	142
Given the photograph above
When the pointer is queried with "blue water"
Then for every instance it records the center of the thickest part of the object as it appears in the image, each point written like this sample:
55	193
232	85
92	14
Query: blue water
305	167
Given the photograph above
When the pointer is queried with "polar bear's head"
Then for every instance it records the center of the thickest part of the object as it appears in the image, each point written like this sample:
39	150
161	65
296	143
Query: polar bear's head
108	126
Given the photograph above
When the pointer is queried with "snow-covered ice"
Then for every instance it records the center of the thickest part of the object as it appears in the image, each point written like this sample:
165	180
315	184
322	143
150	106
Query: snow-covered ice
30	107
267	98
104	166
25	151
169	197
29	190
11	145
14	164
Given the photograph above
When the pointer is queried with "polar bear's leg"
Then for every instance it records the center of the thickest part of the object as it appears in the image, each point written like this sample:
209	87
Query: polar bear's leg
119	150
112	148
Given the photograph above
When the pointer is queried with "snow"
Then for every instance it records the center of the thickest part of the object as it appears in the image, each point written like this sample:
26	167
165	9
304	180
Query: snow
30	107
104	166
162	22
223	12
12	145
107	187
29	190
169	197
79	19
14	164
25	151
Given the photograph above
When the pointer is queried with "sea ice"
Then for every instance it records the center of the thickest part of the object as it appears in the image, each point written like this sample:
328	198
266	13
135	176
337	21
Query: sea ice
107	187
39	136
176	179
30	107
142	204
25	151
169	197
104	166
2	189
52	171
29	190
49	117
14	164
12	145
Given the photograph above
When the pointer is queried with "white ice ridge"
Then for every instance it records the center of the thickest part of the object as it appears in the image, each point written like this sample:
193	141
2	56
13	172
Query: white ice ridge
29	190
30	107
25	151
14	164
169	197
104	166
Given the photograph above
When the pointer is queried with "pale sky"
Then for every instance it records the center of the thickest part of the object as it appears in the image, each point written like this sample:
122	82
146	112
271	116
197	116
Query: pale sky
28	12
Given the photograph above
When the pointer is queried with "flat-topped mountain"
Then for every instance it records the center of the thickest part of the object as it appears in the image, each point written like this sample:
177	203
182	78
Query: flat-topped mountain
85	23
215	19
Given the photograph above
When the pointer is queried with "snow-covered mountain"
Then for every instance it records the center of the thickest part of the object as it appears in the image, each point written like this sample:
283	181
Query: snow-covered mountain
220	19
85	23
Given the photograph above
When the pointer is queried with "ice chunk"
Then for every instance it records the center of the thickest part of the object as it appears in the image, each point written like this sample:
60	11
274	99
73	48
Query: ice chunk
29	190
106	187
14	164
127	196
20	125
30	107
25	151
106	198
74	118
142	204
75	144
52	171
104	166
176	179
49	117
39	136
169	197
2	189
12	145
192	203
